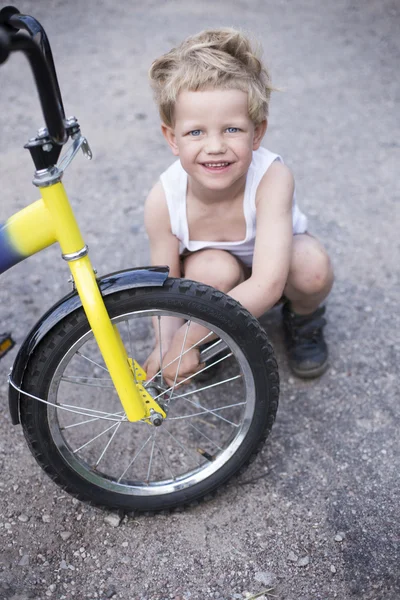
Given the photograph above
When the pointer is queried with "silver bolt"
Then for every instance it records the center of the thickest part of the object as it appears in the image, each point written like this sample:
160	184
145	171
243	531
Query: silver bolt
155	418
42	132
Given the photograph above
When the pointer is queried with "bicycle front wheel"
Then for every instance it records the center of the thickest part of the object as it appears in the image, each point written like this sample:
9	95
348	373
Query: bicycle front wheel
215	423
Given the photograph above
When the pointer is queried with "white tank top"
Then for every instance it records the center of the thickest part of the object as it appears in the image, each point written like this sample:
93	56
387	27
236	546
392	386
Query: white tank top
174	182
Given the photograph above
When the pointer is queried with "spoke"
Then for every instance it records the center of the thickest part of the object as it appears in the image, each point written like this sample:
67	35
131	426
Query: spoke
207	411
80	423
96	437
180	358
186	451
59	406
107	445
213	350
204	435
121	415
161	354
94	411
197	373
85	377
91	361
82	412
206	387
74	380
166	462
151	456
135	456
175	359
130	338
202	389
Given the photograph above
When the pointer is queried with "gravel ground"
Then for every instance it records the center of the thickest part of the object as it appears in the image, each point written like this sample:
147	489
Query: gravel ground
316	517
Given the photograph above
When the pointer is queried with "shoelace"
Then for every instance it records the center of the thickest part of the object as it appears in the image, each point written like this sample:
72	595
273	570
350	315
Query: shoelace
306	329
309	329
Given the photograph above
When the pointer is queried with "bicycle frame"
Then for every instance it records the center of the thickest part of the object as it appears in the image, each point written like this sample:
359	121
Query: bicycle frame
50	220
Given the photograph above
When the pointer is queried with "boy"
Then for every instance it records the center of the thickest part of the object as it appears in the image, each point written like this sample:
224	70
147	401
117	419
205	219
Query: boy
225	213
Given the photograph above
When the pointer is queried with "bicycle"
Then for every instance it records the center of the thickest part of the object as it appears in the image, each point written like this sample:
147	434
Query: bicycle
92	421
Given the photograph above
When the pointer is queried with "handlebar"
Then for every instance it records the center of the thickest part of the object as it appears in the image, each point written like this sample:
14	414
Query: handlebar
41	62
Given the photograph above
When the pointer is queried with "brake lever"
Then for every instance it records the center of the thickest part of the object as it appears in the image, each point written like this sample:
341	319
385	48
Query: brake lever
80	142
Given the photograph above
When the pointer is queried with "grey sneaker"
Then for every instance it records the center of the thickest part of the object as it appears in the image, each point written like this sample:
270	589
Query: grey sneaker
305	344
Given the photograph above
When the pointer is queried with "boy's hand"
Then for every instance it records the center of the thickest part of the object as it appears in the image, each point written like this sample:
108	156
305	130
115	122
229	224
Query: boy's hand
188	364
187	359
152	363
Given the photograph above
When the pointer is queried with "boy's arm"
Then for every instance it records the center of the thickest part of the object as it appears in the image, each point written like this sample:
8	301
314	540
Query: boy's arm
164	246
273	246
164	250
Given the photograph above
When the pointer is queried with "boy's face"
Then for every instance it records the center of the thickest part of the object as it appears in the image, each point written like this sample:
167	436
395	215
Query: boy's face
214	136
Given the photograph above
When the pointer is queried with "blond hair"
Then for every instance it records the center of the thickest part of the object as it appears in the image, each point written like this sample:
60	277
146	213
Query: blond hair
212	59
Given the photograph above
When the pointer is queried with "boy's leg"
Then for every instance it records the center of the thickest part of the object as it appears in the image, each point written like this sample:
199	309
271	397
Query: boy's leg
221	270
217	268
309	282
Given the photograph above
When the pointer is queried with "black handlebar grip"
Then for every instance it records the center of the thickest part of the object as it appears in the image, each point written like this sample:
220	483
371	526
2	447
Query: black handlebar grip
52	110
4	45
41	62
6	14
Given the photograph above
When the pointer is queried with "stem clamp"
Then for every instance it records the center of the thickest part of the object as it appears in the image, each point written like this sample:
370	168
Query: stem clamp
46	177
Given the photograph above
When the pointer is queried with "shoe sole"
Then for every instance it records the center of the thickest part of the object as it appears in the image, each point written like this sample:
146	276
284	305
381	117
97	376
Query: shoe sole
311	373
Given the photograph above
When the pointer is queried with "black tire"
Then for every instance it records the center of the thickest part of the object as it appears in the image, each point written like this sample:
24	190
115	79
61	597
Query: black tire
70	448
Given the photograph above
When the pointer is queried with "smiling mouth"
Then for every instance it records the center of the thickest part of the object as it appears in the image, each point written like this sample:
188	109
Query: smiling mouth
219	165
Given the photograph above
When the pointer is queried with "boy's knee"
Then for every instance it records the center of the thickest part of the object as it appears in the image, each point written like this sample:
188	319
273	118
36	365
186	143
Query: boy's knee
217	268
311	270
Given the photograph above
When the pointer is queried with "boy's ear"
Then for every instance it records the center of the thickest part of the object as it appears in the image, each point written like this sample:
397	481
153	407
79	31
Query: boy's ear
259	132
169	135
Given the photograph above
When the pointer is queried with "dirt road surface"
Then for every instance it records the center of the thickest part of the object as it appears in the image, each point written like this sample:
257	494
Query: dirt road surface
316	516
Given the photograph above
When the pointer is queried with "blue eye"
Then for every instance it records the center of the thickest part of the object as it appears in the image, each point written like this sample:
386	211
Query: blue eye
233	129
195	132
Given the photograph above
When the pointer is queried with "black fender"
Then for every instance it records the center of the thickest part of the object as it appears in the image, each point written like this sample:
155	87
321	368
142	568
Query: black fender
109	284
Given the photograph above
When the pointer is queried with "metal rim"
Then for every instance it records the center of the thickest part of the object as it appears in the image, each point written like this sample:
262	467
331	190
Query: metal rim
121	483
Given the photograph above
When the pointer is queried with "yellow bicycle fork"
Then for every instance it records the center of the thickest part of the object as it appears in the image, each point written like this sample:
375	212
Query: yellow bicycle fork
51	219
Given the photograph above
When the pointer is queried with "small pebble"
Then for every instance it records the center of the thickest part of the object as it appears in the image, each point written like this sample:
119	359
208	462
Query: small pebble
339	537
303	561
24	562
292	556
333	569
65	535
110	591
23	518
113	520
267	578
46	518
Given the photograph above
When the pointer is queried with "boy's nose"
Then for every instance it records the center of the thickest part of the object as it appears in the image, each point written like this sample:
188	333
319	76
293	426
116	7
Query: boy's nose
215	145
